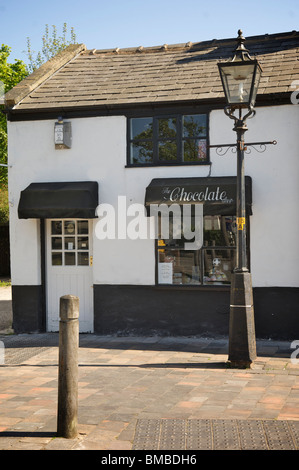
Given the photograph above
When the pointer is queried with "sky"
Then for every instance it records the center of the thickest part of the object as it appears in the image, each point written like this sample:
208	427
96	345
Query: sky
104	24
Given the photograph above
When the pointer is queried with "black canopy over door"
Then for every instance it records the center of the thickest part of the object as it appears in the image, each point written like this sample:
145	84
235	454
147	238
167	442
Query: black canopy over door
77	199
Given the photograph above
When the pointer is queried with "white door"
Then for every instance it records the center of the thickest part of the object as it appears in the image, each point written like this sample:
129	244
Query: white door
69	269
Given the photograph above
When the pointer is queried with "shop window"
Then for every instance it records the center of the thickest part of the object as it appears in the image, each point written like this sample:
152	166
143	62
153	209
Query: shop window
69	243
168	140
211	265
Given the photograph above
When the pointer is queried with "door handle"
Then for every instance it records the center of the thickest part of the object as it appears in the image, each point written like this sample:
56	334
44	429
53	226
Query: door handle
90	260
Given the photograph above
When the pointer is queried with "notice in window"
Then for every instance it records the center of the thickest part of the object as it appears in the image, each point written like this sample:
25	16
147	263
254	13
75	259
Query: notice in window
165	273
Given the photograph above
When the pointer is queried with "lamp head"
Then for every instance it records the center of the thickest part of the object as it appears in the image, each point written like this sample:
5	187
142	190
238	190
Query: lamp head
240	77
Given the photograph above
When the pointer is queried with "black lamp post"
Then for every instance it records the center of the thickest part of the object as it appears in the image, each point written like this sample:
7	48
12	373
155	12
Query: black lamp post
240	79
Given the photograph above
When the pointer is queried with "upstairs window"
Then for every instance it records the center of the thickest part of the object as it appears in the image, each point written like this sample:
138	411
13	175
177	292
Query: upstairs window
168	140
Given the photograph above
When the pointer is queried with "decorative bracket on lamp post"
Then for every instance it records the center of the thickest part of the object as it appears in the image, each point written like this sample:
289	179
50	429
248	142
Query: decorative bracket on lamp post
260	147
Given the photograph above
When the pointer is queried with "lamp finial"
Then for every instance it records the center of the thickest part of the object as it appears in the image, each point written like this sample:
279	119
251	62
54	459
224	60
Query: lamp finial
241	53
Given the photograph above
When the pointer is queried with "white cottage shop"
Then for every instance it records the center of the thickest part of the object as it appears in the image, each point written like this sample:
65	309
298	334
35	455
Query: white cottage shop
126	128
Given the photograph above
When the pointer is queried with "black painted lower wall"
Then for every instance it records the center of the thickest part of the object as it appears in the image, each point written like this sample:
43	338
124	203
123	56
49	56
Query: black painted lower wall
27	308
157	310
276	311
148	310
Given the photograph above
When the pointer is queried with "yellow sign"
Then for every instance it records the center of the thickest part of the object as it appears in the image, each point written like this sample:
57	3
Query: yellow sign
240	223
161	243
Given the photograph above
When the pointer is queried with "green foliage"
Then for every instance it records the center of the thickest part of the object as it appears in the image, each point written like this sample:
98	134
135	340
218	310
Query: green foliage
10	74
4	207
51	45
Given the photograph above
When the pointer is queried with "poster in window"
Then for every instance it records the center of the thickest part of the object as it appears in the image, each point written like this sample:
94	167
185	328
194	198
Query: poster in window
201	149
165	273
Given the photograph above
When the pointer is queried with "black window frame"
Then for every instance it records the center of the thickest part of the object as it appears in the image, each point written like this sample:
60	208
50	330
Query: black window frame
179	139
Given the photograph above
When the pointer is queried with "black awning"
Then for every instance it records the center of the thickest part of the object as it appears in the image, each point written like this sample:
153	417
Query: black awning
77	199
218	194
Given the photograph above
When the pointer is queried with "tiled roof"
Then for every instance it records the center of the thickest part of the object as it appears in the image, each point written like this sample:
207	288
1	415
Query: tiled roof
163	74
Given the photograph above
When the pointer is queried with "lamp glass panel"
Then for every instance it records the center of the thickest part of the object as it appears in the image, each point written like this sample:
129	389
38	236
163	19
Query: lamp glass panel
237	80
256	84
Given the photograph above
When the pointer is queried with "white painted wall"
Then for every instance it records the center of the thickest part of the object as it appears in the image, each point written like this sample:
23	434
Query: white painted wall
99	153
274	227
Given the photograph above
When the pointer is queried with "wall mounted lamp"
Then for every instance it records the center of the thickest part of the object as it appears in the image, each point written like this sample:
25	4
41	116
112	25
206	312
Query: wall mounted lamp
62	134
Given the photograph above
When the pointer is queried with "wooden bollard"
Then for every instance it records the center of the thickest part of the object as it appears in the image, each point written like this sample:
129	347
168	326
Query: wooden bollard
67	415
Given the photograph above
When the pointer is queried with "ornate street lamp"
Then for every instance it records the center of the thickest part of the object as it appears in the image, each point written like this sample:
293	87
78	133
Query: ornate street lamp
240	79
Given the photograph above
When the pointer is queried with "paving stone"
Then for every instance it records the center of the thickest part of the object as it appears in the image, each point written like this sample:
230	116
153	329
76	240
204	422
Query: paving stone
184	396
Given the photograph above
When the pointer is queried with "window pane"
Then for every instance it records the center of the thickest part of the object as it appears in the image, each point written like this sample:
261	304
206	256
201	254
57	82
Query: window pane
69	259
56	243
167	151
56	227
178	266
219	230
167	128
194	150
175	264
195	125
56	259
211	265
218	265
155	140
69	227
141	128
83	258
82	243
142	152
69	243
170	234
82	227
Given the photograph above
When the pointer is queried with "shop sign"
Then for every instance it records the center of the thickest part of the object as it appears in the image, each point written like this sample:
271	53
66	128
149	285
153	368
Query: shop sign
179	194
217	194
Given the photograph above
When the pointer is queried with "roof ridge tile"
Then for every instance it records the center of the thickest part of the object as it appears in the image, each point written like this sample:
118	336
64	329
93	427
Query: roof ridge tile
194	45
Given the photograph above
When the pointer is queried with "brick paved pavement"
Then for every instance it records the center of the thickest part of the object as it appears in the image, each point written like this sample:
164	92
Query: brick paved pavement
128	381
